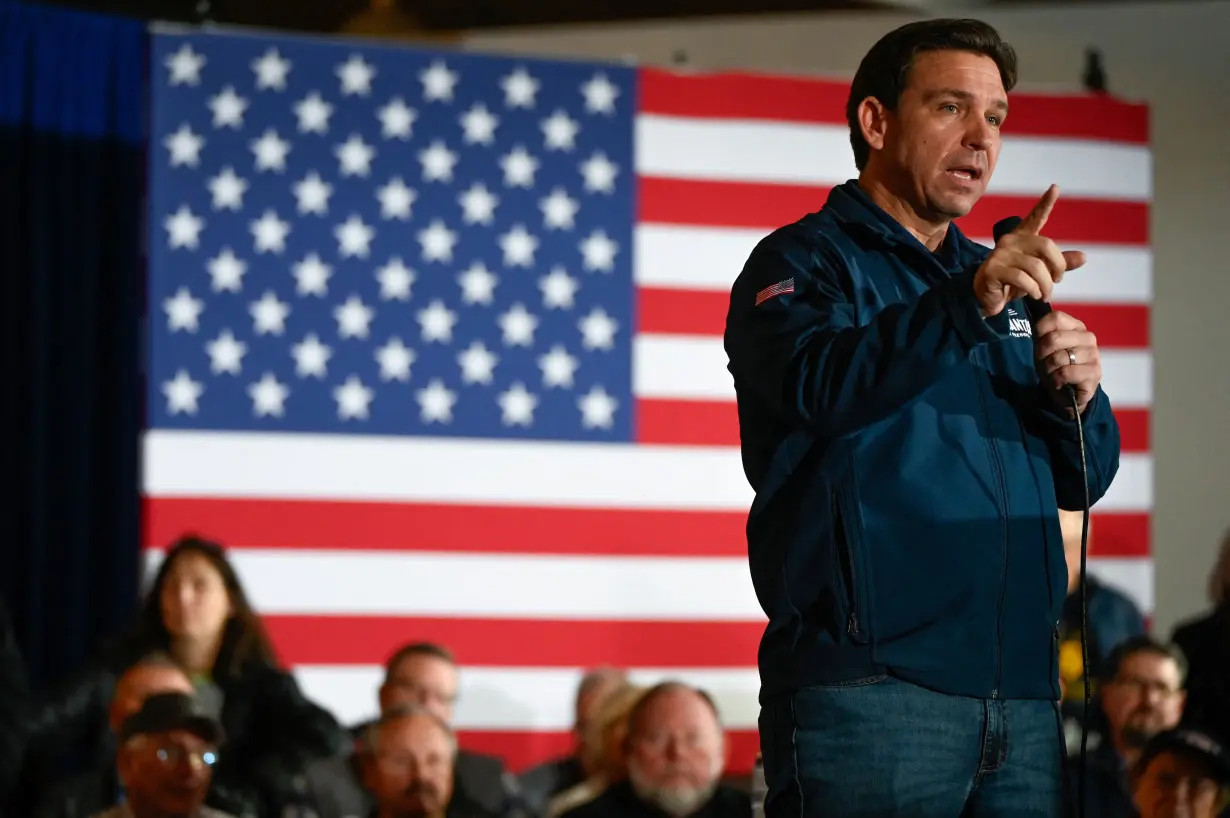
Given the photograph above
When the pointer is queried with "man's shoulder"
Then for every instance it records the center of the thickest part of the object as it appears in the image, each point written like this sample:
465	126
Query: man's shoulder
120	811
730	799
481	763
112	812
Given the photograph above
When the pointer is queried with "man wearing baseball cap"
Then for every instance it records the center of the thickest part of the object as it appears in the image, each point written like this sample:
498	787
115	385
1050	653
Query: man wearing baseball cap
1182	773
166	756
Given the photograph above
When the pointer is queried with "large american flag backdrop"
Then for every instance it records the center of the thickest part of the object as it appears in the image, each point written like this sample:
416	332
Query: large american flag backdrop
434	348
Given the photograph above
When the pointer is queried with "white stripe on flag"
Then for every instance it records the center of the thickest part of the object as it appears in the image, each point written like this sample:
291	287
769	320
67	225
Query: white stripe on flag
1132	576
793	153
293	582
514	586
493	698
710	258
536	473
493	472
694	367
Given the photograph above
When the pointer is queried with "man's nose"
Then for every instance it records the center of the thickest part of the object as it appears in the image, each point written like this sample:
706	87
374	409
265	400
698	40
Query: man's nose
979	134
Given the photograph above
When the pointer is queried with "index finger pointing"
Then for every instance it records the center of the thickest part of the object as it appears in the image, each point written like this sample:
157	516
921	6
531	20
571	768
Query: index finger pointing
1036	220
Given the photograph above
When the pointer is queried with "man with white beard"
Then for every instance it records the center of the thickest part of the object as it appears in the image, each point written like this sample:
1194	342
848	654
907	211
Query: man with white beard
675	751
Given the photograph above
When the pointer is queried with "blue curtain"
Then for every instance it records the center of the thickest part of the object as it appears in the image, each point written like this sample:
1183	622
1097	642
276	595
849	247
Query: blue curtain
71	192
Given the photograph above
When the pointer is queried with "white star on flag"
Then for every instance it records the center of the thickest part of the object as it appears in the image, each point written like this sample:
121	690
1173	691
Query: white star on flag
185	147
436	402
438	82
268	396
311	357
182	393
228	108
353	399
271	71
185	66
356	76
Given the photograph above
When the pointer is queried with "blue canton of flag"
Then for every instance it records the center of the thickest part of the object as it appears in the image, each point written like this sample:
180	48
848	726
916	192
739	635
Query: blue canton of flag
356	238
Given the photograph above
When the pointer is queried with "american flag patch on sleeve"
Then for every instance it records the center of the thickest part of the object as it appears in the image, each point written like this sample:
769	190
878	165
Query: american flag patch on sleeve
772	291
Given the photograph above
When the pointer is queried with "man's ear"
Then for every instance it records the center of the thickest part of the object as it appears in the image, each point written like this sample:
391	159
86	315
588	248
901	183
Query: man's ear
873	119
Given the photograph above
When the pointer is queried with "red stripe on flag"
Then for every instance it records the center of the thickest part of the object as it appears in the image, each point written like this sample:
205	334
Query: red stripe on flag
522	749
768	206
716	423
687	422
522	643
315	524
1134	434
1117	326
823	102
667	311
1119	535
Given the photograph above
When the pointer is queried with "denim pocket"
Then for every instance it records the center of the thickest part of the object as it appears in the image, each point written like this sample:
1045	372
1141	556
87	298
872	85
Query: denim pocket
864	681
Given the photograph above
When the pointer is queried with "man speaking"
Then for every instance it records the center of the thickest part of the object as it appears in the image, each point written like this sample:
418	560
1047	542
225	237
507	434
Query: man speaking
909	435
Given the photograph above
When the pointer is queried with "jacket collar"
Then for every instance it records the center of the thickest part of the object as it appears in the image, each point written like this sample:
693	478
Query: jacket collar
859	215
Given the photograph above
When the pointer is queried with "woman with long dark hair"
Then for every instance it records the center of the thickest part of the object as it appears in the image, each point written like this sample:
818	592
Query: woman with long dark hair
196	611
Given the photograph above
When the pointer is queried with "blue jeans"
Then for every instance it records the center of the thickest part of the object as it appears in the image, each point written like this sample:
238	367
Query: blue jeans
883	747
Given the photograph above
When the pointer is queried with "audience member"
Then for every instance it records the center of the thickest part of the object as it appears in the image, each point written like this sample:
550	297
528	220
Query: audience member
676	751
1182	774
541	783
197	612
1206	644
98	788
1142	696
602	751
424	675
168	750
410	765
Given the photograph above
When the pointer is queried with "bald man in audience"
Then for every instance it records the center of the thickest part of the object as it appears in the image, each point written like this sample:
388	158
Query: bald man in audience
675	752
409	766
539	784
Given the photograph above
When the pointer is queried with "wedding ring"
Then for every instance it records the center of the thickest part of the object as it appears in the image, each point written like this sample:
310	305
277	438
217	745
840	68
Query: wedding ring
1071	357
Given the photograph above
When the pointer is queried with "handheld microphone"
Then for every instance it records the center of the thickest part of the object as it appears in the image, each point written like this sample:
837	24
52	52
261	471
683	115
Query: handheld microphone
1036	310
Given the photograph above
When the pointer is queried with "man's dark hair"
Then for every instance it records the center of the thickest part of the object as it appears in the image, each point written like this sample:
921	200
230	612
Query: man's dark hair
884	72
1141	644
417	649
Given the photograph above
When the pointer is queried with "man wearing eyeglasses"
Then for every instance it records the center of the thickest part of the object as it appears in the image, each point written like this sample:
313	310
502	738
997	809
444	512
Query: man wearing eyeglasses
165	759
1142	696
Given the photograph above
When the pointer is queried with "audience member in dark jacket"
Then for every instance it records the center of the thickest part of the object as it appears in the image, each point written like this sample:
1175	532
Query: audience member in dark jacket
1205	643
14	698
541	783
419	674
410	764
197	612
98	789
675	751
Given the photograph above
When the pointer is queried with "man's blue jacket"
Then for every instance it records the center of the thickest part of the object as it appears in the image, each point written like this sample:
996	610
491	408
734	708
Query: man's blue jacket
906	461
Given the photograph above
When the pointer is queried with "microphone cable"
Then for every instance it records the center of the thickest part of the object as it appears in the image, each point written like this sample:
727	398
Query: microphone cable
1084	591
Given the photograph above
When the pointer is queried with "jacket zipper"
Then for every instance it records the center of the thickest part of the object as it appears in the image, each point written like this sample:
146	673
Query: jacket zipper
845	550
1003	499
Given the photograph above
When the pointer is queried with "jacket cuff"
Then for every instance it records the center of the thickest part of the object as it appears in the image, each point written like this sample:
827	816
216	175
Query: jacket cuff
1055	420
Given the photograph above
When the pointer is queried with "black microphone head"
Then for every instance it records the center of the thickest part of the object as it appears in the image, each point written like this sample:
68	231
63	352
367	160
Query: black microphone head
1005	226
